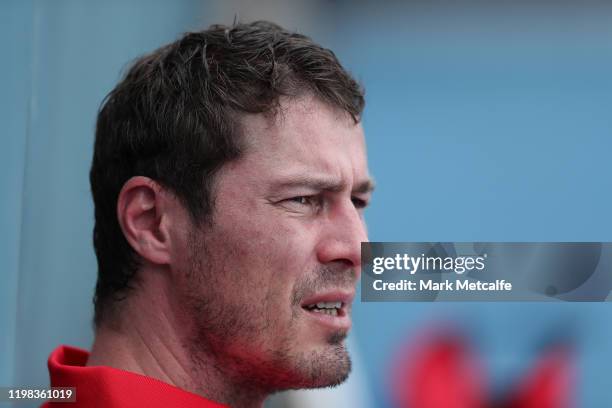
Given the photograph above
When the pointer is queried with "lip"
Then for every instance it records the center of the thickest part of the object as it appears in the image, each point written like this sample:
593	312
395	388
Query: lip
340	322
345	297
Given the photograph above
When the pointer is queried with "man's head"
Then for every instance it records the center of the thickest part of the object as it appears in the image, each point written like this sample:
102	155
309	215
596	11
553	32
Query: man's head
230	166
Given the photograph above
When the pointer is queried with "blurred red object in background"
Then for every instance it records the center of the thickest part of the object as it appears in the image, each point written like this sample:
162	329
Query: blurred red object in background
549	384
440	370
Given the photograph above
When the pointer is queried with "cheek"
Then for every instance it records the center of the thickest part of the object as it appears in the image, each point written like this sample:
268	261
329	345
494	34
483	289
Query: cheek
267	259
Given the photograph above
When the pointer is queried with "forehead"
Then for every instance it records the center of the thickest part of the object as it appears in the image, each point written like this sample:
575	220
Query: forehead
306	136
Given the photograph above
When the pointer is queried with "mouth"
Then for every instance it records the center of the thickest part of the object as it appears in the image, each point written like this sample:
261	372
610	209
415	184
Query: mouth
331	309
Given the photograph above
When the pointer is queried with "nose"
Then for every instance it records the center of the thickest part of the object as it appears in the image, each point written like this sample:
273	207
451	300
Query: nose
341	237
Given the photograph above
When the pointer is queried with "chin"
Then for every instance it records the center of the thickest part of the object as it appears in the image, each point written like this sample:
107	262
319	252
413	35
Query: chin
318	364
330	375
326	367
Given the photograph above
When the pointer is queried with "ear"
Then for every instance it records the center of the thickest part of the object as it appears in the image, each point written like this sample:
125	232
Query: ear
142	211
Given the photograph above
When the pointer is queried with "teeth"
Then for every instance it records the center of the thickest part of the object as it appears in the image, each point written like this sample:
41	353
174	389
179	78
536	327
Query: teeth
329	308
328	305
331	312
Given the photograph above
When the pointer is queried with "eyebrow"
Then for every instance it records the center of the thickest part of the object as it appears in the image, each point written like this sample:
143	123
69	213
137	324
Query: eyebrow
323	184
364	187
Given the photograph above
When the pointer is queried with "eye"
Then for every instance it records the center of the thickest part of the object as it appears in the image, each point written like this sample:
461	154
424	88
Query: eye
303	200
359	203
303	203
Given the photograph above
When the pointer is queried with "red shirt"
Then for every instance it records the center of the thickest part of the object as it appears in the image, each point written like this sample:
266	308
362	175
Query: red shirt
99	386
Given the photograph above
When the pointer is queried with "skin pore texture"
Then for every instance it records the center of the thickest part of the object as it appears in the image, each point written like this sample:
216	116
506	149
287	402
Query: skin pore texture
223	309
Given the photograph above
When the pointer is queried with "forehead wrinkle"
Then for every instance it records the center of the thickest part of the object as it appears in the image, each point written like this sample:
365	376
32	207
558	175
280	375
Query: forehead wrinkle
282	150
322	183
314	182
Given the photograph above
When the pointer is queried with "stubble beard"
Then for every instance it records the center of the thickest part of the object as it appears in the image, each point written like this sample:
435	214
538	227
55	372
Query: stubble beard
230	333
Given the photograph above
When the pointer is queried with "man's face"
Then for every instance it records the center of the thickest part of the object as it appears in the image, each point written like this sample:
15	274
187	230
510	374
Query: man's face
270	282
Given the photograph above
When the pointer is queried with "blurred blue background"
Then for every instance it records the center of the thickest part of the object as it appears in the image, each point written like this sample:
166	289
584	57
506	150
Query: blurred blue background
485	121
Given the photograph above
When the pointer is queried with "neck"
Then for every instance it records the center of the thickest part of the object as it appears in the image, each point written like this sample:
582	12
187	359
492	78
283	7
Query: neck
150	338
